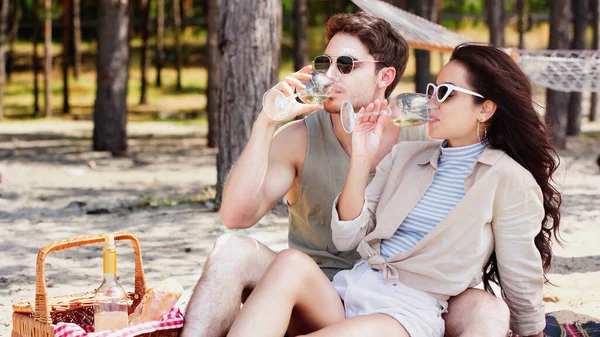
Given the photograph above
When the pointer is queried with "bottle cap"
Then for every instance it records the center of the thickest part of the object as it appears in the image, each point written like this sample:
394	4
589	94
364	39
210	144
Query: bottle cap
109	240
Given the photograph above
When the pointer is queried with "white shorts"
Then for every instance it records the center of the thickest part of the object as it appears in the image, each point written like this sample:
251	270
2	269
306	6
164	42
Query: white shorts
364	292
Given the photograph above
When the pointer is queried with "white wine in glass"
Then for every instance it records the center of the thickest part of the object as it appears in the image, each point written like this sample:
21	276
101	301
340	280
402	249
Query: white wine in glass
277	106
313	98
405	110
403	123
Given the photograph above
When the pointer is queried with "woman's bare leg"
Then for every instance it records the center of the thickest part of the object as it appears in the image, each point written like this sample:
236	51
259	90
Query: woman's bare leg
374	325
293	283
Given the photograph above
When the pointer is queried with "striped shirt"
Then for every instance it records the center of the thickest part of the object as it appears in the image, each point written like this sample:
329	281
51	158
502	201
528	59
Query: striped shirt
454	166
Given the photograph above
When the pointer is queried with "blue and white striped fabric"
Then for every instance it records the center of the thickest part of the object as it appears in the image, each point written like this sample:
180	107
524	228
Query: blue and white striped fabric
448	187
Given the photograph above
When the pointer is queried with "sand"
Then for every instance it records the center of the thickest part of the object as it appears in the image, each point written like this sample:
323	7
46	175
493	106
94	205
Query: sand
53	187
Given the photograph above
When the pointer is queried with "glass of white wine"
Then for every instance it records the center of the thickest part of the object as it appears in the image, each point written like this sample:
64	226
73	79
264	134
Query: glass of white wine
407	109
277	106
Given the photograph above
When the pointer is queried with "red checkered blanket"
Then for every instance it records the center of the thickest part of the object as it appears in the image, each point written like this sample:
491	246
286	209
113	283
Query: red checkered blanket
172	320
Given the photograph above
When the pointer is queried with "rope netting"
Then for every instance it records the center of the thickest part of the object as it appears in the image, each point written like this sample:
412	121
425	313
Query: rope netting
562	70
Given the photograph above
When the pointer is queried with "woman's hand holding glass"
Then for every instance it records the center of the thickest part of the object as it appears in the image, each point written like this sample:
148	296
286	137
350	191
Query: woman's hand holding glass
279	102
407	109
367	131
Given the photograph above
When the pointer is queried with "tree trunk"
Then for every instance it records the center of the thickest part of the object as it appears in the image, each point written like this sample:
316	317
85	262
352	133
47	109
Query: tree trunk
110	108
436	16
521	22
494	10
249	66
338	6
145	52
3	40
401	4
212	90
557	102
187	8
595	9
329	8
424	9
580	25
437	7
76	39
160	33
132	10
65	53
178	56
300	20
14	17
47	57
35	27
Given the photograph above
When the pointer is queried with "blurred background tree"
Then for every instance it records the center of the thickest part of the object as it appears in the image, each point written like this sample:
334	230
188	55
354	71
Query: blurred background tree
110	108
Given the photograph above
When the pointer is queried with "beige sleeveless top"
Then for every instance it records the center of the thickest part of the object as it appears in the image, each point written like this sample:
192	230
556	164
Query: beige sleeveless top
323	175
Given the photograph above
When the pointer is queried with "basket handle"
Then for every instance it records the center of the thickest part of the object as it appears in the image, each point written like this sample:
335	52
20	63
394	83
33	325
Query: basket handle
42	310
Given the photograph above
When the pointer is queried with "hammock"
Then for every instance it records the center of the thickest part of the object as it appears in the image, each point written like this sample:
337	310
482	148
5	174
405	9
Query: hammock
562	70
420	33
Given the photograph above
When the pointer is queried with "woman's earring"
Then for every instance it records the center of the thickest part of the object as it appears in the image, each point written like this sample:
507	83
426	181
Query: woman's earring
484	132
479	133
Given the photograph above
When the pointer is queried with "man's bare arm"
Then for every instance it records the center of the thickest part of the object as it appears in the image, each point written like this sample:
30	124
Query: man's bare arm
263	174
266	169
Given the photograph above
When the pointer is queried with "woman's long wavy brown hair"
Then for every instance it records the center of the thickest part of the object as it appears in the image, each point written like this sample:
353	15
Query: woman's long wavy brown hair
518	130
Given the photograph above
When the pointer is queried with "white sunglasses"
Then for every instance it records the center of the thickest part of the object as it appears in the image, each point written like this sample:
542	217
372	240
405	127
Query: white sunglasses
445	90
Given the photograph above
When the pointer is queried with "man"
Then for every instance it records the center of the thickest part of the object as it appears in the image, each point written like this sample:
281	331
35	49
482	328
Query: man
307	160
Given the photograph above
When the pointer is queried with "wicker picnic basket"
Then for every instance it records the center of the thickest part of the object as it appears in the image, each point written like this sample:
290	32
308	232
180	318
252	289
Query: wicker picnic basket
38	319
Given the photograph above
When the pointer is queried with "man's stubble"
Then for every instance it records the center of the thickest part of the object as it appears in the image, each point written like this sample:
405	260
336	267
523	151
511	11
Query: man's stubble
358	100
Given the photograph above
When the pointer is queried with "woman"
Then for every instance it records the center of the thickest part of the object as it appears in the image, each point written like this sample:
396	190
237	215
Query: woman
436	219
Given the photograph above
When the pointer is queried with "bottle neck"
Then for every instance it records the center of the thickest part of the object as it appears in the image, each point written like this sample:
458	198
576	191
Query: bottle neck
110	263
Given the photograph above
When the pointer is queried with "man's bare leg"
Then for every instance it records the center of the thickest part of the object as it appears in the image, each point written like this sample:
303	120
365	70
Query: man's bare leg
476	313
235	264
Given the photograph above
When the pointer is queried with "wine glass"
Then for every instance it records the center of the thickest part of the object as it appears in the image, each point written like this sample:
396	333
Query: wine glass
407	109
277	106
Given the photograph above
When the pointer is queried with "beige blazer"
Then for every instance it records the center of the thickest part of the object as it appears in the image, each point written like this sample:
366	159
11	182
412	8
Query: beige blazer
501	211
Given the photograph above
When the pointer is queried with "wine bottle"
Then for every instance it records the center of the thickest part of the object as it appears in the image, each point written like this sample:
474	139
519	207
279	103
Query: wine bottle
110	301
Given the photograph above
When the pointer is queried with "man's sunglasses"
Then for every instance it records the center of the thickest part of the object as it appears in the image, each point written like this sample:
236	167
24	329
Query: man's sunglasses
442	91
345	64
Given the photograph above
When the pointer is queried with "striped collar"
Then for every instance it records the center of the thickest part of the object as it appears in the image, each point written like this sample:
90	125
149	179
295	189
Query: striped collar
461	153
489	156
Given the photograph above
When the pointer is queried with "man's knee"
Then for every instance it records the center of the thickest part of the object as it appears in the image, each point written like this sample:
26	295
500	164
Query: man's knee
238	257
234	254
231	248
476	300
476	307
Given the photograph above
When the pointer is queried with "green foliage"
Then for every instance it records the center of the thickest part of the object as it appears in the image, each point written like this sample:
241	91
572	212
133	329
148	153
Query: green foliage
463	6
287	6
538	6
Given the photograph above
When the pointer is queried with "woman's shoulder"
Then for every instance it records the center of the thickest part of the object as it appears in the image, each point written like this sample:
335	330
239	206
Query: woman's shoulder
510	171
